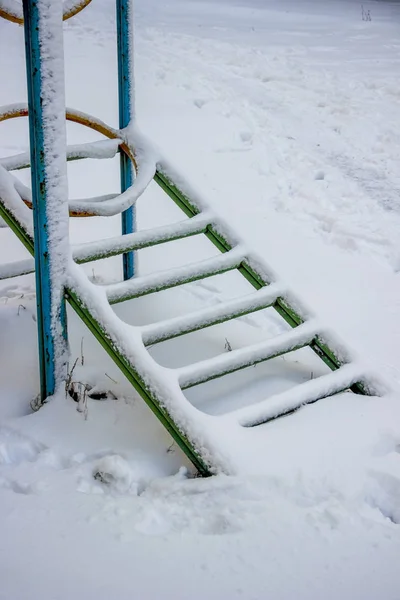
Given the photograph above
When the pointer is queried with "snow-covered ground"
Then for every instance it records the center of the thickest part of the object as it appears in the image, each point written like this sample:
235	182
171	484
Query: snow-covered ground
285	114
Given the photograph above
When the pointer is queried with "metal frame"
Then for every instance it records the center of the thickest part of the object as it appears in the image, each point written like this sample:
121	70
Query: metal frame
126	114
51	317
41	144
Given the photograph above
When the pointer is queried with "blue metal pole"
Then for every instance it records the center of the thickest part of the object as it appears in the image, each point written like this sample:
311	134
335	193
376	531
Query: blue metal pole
47	328
126	114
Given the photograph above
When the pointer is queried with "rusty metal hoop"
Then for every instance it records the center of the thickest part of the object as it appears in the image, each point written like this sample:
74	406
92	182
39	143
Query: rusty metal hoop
81	118
13	10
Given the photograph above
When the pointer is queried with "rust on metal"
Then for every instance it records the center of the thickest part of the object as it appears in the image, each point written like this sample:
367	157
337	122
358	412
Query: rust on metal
81	119
14	14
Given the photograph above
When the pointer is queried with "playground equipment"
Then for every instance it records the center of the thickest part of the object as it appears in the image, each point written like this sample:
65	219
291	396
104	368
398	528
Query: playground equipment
44	232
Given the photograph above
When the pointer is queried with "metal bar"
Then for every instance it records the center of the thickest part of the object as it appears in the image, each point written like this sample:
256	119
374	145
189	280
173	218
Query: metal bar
126	114
16	269
235	360
50	310
141	239
289	401
149	284
92	251
212	315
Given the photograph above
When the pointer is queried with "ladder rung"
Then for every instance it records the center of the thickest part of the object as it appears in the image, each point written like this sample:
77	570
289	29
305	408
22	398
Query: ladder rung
15	269
232	361
141	239
165	330
163	280
304	393
99	149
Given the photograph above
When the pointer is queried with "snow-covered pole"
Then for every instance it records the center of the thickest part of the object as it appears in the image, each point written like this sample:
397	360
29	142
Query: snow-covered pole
126	100
47	132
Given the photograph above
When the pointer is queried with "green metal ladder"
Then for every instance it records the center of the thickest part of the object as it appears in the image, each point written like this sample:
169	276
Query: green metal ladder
161	388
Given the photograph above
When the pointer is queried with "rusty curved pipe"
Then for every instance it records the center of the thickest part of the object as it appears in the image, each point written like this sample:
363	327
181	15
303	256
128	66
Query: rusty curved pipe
75	117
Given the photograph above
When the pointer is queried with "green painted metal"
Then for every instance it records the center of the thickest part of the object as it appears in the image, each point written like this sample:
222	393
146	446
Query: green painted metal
250	363
15	269
138	245
162	337
291	411
16	227
255	279
129	295
116	251
128	368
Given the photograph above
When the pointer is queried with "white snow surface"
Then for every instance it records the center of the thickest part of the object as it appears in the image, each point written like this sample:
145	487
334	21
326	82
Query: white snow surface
285	116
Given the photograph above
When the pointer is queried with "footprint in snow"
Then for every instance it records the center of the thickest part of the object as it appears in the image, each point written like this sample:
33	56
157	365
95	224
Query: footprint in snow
199	102
246	137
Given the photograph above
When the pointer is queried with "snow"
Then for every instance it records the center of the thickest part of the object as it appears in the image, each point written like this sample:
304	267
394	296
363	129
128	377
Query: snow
101	149
116	473
158	281
236	359
263	298
253	101
141	239
13	9
52	223
307	392
15	269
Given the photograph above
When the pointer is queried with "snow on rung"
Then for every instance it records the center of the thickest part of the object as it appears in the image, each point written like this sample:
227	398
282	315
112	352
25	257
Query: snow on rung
159	332
141	239
300	395
15	269
100	150
232	361
163	280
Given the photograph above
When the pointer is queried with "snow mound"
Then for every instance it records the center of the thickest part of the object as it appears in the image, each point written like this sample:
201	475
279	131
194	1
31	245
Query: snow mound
115	472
